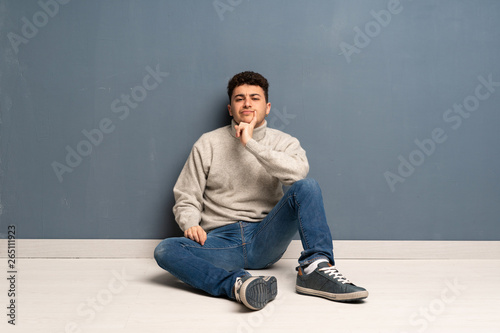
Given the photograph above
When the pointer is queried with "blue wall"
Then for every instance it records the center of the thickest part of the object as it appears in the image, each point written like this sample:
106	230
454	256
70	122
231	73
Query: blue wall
397	104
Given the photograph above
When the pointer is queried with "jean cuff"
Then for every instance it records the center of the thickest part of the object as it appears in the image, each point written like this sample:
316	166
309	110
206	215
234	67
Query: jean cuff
313	259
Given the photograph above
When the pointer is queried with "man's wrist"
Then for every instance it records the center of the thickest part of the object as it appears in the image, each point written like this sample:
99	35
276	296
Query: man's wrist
186	227
252	145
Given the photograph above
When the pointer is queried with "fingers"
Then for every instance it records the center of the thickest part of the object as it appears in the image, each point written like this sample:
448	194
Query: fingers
196	234
244	131
238	130
254	119
191	234
203	237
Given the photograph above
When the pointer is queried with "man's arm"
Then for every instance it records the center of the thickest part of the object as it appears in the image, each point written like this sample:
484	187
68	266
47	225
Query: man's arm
288	164
188	194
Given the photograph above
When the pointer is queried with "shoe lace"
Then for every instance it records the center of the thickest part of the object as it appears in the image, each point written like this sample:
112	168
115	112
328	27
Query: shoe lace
336	274
237	286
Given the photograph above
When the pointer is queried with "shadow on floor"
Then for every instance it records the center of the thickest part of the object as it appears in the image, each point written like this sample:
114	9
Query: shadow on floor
168	280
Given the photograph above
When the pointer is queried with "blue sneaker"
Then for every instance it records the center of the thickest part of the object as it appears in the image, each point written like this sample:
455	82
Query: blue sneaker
255	291
326	281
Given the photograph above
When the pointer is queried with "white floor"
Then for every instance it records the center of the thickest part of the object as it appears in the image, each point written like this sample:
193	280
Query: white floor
135	295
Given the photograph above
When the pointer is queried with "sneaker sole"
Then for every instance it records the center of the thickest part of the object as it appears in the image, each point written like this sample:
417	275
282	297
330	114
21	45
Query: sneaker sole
256	292
334	297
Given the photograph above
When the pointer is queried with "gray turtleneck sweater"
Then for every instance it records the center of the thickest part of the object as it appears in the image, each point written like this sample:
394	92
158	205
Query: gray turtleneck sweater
224	182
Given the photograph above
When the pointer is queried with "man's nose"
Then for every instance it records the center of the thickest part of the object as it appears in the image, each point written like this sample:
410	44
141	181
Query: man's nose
248	102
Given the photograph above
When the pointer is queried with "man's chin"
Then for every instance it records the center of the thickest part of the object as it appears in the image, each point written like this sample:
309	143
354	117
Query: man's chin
243	120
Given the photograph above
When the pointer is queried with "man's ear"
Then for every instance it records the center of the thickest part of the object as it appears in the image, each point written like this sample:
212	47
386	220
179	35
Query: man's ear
229	109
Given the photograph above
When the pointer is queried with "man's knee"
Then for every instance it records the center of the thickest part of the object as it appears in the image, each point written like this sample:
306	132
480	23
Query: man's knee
165	249
308	184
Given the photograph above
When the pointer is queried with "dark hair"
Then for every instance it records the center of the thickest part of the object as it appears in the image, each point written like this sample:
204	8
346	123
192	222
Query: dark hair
250	78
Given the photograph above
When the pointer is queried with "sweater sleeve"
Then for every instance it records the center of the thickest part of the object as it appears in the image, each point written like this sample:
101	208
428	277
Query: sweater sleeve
287	161
188	191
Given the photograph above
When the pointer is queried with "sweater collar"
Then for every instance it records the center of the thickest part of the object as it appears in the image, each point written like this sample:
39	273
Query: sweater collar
258	133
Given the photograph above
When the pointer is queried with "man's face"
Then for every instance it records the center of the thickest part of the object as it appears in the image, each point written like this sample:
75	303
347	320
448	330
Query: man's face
245	100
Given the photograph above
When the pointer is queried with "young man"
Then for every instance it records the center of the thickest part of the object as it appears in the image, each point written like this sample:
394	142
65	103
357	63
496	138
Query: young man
231	207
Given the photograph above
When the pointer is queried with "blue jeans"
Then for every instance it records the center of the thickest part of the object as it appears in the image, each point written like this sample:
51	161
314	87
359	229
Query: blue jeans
231	249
